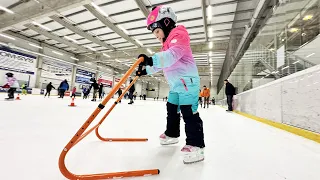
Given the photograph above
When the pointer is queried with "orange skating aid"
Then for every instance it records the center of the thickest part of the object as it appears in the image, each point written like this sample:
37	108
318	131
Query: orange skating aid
72	103
18	97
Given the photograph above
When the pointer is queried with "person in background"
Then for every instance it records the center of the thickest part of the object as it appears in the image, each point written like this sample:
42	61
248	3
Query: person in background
131	91
135	95
49	88
206	96
24	89
84	91
230	91
119	92
12	84
63	87
73	93
95	86
213	101
100	90
200	98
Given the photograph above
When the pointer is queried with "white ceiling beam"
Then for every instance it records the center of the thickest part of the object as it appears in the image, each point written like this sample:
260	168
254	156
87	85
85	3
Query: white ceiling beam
30	10
71	27
204	17
56	37
143	7
110	25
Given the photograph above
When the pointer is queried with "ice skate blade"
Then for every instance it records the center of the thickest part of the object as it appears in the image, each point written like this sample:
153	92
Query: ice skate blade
166	144
184	162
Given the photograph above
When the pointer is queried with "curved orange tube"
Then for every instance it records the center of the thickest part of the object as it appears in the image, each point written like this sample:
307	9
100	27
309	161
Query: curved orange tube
80	135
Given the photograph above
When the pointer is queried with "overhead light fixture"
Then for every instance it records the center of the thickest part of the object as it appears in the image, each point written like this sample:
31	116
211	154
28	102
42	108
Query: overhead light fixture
210	32
74	58
210	65
149	51
6	10
285	68
209	12
117	60
57	53
310	55
37	1
296	62
210	45
123	29
99	9
106	55
139	42
7	36
42	26
35	46
292	30
90	48
73	40
307	17
88	62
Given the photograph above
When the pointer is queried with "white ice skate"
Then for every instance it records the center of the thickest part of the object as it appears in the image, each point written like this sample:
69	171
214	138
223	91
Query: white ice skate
166	140
192	154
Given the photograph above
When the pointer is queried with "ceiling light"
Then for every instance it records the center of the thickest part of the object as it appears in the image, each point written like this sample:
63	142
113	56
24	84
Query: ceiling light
6	10
71	39
99	9
57	53
210	65
90	48
117	60
210	32
307	17
310	55
88	63
42	26
74	58
7	36
123	29
150	52
35	46
210	45
139	42
295	62
106	55
285	68
37	1
210	53
209	12
294	30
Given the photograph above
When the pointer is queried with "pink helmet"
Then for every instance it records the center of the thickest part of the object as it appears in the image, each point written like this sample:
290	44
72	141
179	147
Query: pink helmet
159	13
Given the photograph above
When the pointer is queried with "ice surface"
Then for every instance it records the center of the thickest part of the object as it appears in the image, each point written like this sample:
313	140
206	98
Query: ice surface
34	131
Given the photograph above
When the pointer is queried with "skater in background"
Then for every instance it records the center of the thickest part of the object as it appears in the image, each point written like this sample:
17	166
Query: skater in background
200	98
213	101
206	96
49	88
180	70
100	90
119	92
84	92
73	93
63	87
230	91
12	84
95	87
24	89
135	95
131	91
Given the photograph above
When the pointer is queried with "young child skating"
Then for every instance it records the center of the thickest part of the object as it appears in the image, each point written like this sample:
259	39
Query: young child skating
12	84
180	70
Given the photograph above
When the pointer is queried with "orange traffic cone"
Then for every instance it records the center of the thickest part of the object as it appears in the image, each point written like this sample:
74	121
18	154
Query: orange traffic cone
72	103
18	97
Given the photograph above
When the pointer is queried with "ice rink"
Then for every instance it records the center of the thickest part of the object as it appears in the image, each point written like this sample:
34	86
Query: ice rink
35	130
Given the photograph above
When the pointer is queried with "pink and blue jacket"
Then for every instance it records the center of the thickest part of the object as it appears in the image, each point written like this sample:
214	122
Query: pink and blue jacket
12	82
176	61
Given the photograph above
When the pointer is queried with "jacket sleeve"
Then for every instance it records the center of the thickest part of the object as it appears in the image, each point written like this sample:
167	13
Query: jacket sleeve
178	47
152	70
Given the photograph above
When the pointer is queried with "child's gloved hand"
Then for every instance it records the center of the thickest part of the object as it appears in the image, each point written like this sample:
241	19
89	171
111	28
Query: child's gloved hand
6	86
141	71
147	60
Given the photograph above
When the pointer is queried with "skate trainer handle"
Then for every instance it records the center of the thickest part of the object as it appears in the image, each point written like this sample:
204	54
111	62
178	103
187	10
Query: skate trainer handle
80	135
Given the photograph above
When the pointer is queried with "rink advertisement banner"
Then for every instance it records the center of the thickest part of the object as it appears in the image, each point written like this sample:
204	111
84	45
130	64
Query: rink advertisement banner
105	80
56	70
17	62
84	76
